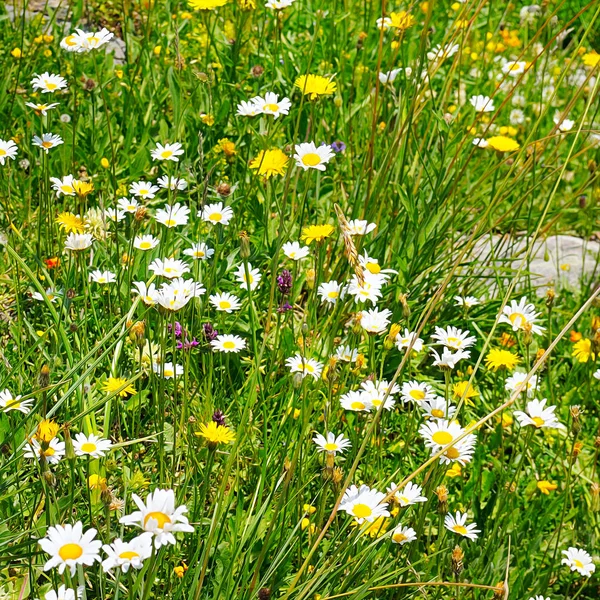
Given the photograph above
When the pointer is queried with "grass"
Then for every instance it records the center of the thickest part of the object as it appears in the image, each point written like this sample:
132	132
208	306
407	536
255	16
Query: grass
268	509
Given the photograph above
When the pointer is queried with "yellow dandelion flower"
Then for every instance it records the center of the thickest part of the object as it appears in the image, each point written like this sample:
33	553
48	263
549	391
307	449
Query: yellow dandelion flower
591	59
70	222
207	4
546	486
401	20
462	389
46	431
215	434
270	162
118	385
82	188
95	482
502	143
582	350
497	358
316	233
315	85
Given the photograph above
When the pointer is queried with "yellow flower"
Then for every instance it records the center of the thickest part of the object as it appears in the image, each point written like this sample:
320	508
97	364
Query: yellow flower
248	4
207	119
582	350
16	52
227	147
507	420
270	162
501	143
114	384
459	389
104	163
207	4
591	59
82	188
70	222
546	487
215	434
497	358
180	570
377	528
46	431
454	471
316	233
315	85
304	523
401	20
95	482
309	509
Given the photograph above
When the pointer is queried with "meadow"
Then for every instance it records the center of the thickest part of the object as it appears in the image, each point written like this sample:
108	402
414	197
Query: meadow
272	324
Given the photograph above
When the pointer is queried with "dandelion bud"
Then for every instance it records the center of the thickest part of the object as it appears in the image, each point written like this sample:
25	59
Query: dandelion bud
457	561
576	416
44	376
356	327
244	245
527	334
390	339
595	490
577	448
140	213
264	593
337	476
137	333
257	71
405	308
310	278
442	493
69	450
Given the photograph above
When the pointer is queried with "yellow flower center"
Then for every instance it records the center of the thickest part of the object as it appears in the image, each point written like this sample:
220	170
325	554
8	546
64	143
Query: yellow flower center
88	447
454	341
330	447
51	86
272	107
518	318
399	537
2	152
312	159
373	268
442	437
224	304
229	345
160	517
333	294
515	67
436	412
403	500
166	154
460	529
170	222
362	511
70	551
358	405
48	452
538	421
309	368
452	453
66	189
128	555
417	394
47	144
145	245
577	563
215	216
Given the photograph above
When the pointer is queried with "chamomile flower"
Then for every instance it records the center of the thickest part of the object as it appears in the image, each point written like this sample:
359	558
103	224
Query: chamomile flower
91	445
514	68
360	227
416	391
167	152
410	494
305	366
310	156
403	535
331	291
167	370
538	415
176	293
159	516
76	242
128	205
331	443
248	109
168	267
438	408
86	41
171	183
409	339
225	302
252	278
173	216
50	294
63	593
364	504
376	391
295	251
374	320
147	293
52	451
47	141
10	402
521	316
48	83
216	214
482	104
8	149
102	277
68	547
578	560
124	555
449	359
145	242
516	379
440	433
199	251
278	4
453	338
63	186
365	290
114	214
356	401
143	189
271	105
466	301
228	343
458	524
346	353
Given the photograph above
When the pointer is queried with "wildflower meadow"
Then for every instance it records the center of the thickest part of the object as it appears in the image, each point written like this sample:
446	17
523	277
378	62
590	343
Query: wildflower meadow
299	300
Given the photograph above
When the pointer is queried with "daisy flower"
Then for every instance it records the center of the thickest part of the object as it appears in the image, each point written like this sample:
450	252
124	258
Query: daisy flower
448	359
159	516
578	560
440	433
403	535
410	494
63	186
271	105
171	183
295	251
306	366
52	451
127	554
173	216
167	370
85	41
168	267
365	290
374	320
9	402
514	68
77	242
91	445
47	141
49	294
145	242
521	316
216	213
143	189
356	401
48	83
148	293
360	227
41	109
228	343
438	408
538	415
167	152
513	383
346	353
253	277
409	339
453	338
225	302
331	443
331	291
199	251
8	149
102	277
466	301
248	109
376	391
458	524
114	214
309	156
127	205
278	4
62	593
364	504
416	391
482	104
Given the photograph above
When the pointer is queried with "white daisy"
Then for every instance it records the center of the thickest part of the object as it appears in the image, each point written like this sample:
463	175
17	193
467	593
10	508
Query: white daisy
513	383
10	402
216	213
306	366
453	338
374	320
8	149
252	278
482	104
168	267
143	189
578	560
449	359
539	415
199	251
53	451
173	216
271	105
102	277
228	343
48	83
47	141
225	302
63	186
309	156
407	496
295	251
438	408
331	291
458	524
128	554
416	391
356	401
78	241
91	445
167	370
171	183
409	339
521	316
167	152
331	443
364	504
403	535
145	242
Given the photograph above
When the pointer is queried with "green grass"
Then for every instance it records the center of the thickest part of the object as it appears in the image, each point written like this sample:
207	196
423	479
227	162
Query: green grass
264	505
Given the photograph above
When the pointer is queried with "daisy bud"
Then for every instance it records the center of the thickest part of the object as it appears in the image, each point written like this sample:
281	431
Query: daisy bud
403	299
69	451
457	561
576	416
44	376
257	71
442	493
70	293
244	245
224	189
